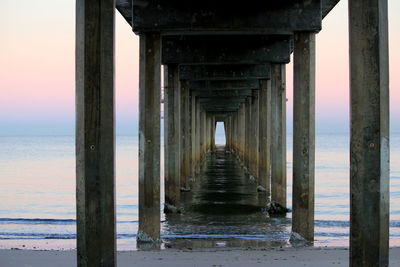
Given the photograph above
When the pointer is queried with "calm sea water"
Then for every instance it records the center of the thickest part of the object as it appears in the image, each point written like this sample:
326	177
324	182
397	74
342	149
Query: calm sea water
37	198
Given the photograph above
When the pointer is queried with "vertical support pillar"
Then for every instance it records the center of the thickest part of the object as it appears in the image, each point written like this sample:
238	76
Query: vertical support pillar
228	132
188	138
95	133
198	135
254	141
212	130
242	131
185	146
231	131
201	135
149	138
172	135
193	134
204	134
369	137
278	128
189	146
247	134
207	132
264	179
303	135
236	130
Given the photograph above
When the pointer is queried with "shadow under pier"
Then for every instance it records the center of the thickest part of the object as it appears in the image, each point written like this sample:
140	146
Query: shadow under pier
224	209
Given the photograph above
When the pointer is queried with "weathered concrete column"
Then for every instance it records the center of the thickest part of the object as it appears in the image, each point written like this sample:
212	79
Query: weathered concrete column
303	135
236	129
254	134
278	130
189	134
212	137
193	135
369	138
210	130
202	134
231	132
207	132
201	126
149	138
225	123
247	134
198	135
234	133
264	178
172	99
228	132
185	144
241	130
95	133
190	137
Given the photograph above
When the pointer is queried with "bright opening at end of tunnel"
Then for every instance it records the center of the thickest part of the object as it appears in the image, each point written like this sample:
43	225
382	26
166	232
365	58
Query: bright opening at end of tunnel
220	134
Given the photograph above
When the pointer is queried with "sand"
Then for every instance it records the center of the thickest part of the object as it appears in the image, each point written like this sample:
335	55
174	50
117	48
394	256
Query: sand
281	257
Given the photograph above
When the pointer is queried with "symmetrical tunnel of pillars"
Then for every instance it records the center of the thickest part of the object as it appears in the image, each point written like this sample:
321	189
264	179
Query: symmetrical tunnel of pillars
226	63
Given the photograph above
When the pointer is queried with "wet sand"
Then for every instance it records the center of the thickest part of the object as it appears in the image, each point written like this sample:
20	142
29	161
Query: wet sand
317	257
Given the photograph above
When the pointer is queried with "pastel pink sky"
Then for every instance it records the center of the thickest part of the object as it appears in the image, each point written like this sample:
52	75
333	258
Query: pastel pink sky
37	42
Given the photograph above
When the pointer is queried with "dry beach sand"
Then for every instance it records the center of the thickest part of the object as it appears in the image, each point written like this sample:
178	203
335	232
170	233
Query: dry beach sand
281	257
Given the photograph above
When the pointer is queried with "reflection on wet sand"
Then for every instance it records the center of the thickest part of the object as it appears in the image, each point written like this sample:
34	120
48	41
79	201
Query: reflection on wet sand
224	209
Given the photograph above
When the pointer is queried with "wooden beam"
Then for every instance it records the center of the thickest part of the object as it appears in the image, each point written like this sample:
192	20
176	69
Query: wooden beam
269	17
303	136
369	136
149	138
172	135
223	85
278	134
264	178
222	93
226	49
224	72
95	133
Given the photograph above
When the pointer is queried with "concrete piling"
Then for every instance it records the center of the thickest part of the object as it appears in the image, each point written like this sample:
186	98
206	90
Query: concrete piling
192	135
369	136
254	134
278	134
303	135
172	133
95	134
264	178
185	134
149	138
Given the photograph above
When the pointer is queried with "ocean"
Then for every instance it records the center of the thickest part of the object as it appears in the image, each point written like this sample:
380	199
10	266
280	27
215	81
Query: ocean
37	199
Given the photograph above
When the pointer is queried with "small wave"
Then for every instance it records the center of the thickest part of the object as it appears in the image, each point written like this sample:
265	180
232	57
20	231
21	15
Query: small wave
45	221
224	236
36	221
322	223
36	236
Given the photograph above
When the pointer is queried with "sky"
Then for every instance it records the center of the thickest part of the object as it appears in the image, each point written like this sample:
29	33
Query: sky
37	83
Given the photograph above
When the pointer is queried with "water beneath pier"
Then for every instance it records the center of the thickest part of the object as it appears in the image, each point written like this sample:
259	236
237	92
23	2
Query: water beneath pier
37	189
224	209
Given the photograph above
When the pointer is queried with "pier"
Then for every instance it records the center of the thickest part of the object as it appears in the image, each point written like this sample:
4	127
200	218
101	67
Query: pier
225	62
